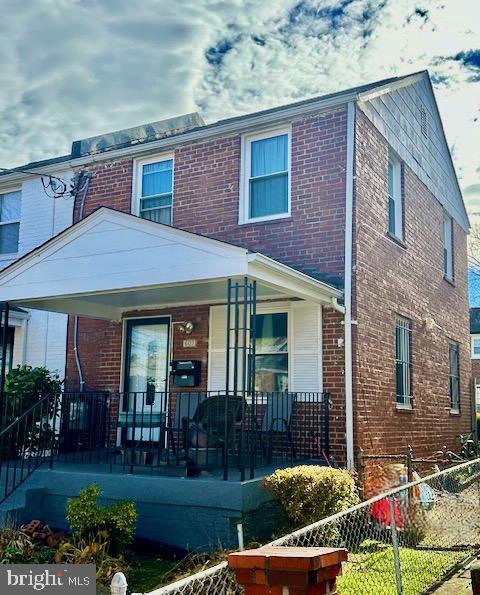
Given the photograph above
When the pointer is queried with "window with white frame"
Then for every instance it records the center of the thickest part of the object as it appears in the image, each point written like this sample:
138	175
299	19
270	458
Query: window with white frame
448	247
153	192
475	340
395	200
453	350
265	187
271	352
10	206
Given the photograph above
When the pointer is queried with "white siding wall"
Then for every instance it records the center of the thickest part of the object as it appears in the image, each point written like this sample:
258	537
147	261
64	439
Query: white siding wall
45	332
304	344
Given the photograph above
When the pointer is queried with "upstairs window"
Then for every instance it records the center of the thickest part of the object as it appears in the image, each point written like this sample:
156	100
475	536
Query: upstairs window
395	201
265	177
453	349
154	190
448	247
10	204
403	362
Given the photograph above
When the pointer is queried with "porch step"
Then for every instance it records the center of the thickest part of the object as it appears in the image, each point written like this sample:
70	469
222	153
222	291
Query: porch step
15	509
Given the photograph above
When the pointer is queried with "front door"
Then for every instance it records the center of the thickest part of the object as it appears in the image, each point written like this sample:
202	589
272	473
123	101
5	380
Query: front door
146	375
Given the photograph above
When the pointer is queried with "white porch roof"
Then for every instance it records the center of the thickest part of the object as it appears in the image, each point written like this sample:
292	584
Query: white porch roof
113	262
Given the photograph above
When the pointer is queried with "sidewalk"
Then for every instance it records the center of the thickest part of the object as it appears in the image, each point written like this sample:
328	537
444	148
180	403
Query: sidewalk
459	584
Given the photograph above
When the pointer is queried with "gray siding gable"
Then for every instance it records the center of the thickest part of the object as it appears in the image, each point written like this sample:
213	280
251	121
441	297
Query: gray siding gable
396	113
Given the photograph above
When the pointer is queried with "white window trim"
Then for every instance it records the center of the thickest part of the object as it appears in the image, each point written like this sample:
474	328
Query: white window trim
11	255
244	203
448	220
472	338
137	180
397	198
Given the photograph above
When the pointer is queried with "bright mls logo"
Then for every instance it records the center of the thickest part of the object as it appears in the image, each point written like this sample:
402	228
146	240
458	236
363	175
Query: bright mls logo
51	579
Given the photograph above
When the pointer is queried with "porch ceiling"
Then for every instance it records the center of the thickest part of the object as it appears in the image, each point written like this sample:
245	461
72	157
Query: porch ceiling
113	262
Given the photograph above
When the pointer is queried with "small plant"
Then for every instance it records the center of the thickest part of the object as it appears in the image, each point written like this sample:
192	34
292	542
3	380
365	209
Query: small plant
115	523
26	385
308	493
15	546
92	551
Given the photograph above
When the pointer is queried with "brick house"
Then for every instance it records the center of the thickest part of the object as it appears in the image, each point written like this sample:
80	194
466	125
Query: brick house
339	225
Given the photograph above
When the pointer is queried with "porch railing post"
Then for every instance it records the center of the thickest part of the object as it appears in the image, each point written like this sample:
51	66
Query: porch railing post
326	409
227	381
6	311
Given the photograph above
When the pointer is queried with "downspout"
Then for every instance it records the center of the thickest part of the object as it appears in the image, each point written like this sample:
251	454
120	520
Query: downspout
348	283
82	187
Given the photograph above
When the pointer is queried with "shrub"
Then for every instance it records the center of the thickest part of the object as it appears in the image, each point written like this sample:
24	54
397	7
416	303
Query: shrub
88	520
25	386
309	493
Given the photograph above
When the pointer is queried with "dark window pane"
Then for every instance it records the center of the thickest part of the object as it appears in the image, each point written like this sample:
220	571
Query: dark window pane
9	238
271	332
269	196
163	215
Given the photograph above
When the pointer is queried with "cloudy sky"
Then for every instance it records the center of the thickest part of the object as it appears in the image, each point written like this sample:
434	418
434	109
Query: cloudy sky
75	68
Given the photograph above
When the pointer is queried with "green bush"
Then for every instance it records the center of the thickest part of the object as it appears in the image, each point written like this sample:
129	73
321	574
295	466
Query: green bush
88	520
308	493
25	386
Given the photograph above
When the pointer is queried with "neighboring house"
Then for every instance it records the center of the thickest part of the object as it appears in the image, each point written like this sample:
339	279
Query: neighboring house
475	352
28	218
343	210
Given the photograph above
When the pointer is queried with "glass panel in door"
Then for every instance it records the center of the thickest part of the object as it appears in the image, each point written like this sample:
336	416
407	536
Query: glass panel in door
146	373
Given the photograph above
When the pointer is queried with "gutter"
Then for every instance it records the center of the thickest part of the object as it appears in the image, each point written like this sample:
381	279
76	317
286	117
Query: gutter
348	283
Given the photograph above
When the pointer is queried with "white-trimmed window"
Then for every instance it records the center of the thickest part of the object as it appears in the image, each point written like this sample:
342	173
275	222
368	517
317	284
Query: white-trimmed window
448	247
475	340
453	351
10	207
265	176
271	352
153	189
403	361
395	200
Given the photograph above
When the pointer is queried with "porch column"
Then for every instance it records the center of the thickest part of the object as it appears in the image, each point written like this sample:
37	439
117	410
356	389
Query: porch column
6	312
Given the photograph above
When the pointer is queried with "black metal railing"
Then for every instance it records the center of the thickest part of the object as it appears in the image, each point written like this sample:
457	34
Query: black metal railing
237	436
27	440
190	432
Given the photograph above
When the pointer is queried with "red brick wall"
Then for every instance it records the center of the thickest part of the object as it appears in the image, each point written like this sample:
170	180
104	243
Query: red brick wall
391	280
100	346
206	194
206	197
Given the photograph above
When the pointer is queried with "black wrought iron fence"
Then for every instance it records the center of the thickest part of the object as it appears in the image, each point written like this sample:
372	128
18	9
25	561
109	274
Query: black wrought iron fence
189	432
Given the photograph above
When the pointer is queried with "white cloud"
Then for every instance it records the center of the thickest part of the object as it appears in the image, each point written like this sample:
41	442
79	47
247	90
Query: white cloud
75	68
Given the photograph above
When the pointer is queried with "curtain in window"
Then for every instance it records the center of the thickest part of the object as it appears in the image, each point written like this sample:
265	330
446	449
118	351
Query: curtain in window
157	178
157	187
269	176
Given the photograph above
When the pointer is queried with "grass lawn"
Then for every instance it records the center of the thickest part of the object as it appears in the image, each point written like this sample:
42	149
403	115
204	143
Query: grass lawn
371	569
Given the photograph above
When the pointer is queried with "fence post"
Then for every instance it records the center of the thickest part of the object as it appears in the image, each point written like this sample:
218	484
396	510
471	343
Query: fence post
119	584
409	464
475	576
396	551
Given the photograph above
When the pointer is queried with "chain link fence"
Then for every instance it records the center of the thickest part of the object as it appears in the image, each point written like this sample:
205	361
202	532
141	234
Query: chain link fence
404	541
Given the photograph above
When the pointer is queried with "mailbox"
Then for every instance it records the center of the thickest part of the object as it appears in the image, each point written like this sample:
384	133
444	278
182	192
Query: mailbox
186	373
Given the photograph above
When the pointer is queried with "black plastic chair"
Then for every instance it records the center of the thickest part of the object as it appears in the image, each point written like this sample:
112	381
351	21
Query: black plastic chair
277	420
